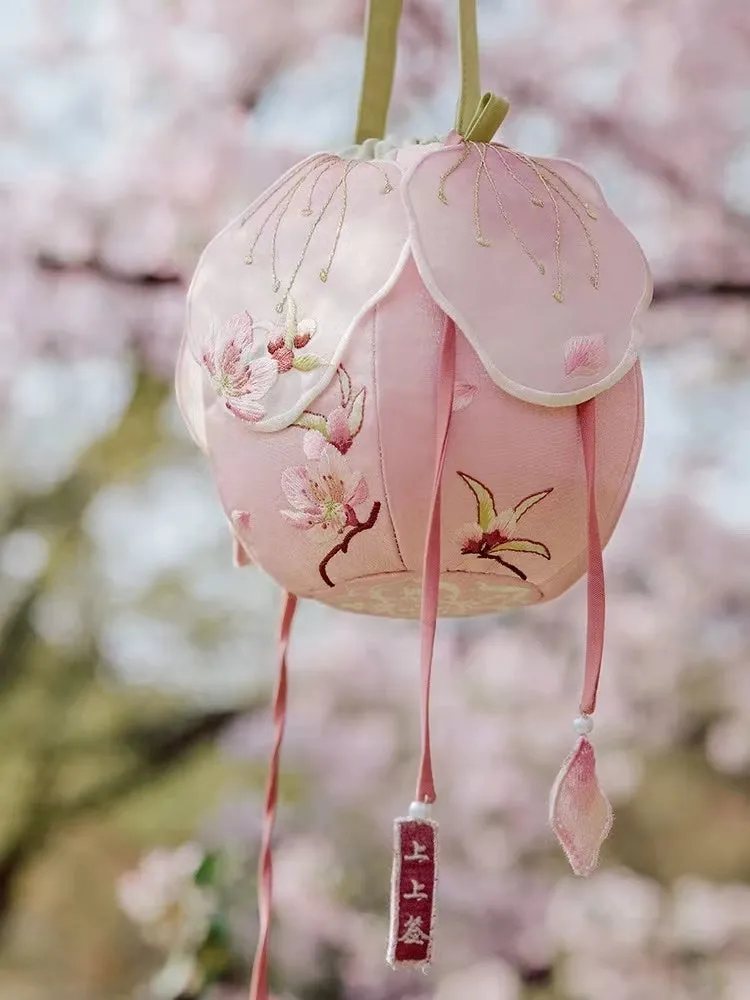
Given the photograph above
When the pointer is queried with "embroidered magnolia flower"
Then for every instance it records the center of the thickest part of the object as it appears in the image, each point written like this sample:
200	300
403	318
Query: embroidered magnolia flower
341	425
324	494
162	897
238	378
291	338
495	534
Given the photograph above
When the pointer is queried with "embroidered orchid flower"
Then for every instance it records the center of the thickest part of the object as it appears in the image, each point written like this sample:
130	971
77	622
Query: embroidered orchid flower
495	534
342	424
238	378
324	494
294	335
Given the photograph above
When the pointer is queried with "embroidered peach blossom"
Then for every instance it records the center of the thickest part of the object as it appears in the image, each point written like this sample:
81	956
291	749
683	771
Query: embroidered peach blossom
238	378
286	341
342	424
324	494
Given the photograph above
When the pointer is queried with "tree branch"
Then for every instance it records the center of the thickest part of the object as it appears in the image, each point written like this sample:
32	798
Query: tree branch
672	291
100	268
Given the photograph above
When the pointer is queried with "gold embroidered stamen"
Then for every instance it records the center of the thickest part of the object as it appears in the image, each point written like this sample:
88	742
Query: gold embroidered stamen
551	187
543	166
558	294
506	218
330	161
274	191
280	305
289	193
535	199
479	235
342	215
280	219
594	277
387	187
451	170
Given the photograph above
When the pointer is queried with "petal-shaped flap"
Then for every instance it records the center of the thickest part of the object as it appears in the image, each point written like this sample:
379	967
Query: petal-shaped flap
189	389
277	293
528	260
580	813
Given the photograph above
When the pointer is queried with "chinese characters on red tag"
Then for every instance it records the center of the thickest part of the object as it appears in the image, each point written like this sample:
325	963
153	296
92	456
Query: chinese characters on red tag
413	892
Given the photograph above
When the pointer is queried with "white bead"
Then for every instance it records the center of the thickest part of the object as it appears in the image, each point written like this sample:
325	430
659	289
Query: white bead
420	810
583	725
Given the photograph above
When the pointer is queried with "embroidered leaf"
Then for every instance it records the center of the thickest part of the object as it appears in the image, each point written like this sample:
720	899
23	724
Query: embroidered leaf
312	422
528	502
485	501
521	545
356	413
208	869
345	384
306	363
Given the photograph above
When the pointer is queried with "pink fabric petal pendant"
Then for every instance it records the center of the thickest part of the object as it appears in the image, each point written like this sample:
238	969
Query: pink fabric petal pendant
580	813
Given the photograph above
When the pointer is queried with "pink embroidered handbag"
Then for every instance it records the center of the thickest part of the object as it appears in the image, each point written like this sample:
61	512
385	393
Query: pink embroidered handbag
412	368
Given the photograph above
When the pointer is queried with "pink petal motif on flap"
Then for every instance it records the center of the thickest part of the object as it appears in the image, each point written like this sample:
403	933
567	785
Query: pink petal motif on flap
580	813
463	395
585	355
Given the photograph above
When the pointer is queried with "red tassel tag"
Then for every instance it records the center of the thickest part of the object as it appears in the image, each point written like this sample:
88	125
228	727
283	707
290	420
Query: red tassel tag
415	854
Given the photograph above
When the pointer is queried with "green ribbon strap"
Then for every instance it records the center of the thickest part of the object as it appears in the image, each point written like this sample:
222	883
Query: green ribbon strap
477	117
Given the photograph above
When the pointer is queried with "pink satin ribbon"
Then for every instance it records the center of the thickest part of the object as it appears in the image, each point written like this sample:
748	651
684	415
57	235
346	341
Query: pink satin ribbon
259	982
595	579
431	567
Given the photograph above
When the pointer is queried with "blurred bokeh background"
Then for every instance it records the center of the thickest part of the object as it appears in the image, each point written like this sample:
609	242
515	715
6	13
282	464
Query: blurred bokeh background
135	661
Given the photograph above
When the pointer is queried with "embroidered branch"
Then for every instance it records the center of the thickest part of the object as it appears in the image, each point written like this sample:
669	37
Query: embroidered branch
343	546
326	493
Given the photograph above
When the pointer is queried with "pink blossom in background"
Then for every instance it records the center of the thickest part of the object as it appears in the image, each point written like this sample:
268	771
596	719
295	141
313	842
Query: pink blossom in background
161	897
